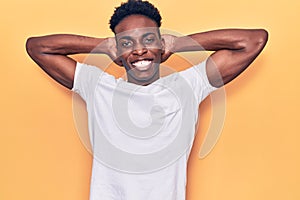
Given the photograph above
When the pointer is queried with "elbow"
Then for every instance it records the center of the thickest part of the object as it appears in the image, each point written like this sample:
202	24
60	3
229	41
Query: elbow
262	37
259	39
35	47
30	45
255	41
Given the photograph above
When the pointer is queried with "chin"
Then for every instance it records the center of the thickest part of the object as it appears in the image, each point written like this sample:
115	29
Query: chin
143	76
146	77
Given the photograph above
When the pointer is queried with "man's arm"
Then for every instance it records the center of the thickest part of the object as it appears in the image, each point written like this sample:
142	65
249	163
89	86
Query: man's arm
51	53
235	49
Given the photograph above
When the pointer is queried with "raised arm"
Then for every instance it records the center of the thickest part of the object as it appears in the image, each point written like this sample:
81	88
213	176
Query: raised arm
235	49
51	53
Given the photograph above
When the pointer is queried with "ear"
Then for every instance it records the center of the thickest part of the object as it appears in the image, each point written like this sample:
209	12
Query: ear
118	61
165	49
164	57
163	46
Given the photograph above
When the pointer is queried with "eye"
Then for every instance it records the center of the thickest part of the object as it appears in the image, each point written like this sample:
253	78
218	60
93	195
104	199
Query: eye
126	44
149	40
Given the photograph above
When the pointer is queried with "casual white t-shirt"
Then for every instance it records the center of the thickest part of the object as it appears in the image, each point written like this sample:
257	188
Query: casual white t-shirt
141	136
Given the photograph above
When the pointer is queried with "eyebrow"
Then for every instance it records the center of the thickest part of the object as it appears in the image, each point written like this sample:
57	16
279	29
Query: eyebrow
125	38
146	34
130	38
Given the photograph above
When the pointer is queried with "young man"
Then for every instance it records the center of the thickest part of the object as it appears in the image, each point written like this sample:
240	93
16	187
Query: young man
146	159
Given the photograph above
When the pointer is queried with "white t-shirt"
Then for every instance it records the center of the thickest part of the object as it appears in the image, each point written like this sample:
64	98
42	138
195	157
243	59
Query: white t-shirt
141	136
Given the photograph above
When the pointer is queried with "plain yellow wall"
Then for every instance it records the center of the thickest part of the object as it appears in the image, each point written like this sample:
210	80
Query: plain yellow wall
257	156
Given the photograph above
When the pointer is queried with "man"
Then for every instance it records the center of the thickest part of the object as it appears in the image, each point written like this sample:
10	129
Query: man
132	162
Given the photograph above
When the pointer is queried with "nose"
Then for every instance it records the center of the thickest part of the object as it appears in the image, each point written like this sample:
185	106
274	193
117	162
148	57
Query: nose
139	49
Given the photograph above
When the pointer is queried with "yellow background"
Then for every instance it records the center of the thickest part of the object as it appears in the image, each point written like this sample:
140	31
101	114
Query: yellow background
257	156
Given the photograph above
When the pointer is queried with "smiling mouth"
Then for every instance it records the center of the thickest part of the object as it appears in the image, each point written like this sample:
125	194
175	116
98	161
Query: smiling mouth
142	65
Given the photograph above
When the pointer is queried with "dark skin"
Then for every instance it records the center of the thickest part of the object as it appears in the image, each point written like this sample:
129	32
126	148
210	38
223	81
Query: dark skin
136	42
234	50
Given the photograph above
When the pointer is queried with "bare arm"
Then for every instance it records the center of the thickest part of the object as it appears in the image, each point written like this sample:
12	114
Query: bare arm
235	50
51	53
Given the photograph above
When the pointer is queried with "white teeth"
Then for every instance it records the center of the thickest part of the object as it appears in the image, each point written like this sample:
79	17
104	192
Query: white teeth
141	64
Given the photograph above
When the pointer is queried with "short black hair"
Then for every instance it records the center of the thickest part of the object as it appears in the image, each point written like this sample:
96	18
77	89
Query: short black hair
134	7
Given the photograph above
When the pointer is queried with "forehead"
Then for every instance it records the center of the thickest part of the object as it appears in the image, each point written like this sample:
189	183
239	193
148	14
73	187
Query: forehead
138	33
135	26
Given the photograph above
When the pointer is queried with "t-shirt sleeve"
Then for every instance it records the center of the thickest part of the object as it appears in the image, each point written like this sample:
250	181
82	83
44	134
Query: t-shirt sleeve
85	80
196	76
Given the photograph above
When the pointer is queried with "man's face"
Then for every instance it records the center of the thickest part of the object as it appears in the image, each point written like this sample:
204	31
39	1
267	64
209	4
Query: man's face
140	48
